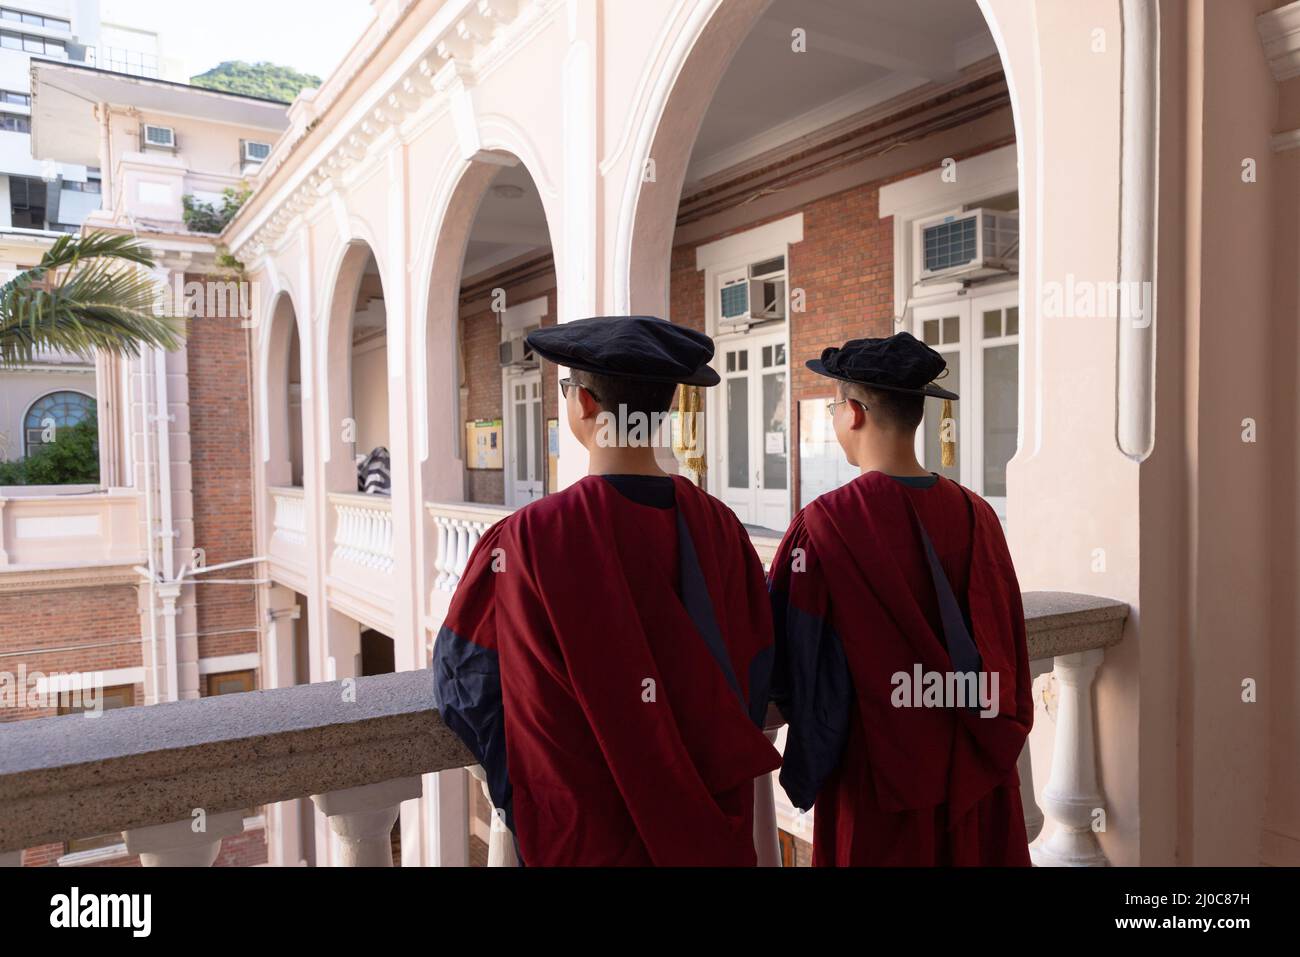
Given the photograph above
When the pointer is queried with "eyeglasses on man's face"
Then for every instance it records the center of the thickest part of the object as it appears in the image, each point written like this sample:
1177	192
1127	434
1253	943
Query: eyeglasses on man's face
833	405
567	383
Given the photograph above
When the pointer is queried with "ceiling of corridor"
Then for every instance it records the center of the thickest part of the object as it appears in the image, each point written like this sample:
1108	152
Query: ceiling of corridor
860	53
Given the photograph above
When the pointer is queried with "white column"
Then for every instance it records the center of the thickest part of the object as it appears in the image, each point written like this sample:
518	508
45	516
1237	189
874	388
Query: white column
1072	798
501	843
447	810
179	844
362	820
766	841
283	819
1025	767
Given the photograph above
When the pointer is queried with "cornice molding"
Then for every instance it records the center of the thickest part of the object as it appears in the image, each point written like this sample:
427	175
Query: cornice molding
452	61
1279	31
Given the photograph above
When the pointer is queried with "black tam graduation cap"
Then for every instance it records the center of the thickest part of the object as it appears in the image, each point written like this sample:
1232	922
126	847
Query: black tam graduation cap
632	347
899	363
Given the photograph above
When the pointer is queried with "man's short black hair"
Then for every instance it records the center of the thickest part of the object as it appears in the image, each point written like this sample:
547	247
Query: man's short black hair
636	395
900	411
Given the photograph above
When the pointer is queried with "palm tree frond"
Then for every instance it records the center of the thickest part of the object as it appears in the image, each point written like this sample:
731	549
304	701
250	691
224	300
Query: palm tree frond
88	294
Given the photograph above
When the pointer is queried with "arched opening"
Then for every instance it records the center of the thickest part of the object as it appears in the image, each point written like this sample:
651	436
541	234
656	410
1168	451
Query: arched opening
284	397
357	428
494	252
851	173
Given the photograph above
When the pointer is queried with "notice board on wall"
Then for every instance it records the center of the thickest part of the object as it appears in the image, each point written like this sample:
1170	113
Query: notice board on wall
483	447
822	465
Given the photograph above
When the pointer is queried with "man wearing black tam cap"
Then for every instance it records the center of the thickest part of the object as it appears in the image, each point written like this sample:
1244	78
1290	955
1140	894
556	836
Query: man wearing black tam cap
608	651
901	661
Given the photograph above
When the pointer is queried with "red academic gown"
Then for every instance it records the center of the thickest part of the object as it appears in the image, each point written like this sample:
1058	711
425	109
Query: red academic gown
856	603
608	663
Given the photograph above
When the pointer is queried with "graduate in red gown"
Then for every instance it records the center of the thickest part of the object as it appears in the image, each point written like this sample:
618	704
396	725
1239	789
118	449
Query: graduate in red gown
901	661
608	651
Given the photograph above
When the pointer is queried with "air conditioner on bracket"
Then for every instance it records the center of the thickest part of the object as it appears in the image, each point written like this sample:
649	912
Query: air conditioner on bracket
757	298
516	353
971	245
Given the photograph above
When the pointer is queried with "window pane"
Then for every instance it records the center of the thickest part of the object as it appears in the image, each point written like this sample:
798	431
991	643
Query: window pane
780	353
521	442
951	329
775	446
535	426
933	411
930	332
1001	386
993	324
738	433
1013	320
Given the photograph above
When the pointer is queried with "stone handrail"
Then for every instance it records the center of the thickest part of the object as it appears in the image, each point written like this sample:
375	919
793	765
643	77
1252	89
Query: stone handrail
135	767
359	746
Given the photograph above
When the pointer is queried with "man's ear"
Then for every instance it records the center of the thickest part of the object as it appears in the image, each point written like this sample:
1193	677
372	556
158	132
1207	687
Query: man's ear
859	414
589	406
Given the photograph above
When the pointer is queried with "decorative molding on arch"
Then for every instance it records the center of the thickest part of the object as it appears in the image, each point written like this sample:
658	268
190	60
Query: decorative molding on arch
1279	32
652	103
462	42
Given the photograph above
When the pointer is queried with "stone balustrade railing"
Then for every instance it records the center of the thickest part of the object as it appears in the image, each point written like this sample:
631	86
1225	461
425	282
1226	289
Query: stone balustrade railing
359	748
363	529
289	518
50	525
460	526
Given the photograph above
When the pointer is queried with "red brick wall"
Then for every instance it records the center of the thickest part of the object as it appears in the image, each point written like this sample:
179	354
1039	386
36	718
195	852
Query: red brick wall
221	465
845	267
99	627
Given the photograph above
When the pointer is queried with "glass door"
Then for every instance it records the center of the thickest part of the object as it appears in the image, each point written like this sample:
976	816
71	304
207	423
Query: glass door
753	455
980	338
523	428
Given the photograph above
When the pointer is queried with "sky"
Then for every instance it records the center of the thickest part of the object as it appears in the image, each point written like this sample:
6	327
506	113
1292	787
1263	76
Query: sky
309	35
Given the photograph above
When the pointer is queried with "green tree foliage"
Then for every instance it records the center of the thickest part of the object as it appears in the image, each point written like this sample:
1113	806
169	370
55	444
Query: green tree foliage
71	459
267	80
201	217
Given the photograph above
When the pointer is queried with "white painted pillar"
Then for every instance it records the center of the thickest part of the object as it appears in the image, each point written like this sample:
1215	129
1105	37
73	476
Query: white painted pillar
1025	767
501	843
178	844
1072	798
446	808
284	818
766	841
362	820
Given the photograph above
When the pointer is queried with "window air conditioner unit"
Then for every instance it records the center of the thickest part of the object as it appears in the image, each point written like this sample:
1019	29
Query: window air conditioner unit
967	246
515	353
756	298
253	151
159	137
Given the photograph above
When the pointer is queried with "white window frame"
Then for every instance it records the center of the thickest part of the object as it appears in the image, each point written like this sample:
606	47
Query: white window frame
514	320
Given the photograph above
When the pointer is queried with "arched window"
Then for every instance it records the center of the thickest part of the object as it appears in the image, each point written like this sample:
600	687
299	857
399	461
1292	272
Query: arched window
58	409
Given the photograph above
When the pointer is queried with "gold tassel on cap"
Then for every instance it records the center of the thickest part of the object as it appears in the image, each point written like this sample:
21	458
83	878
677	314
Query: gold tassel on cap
947	436
687	444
